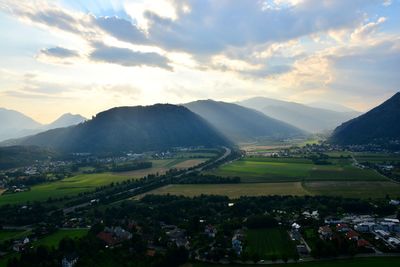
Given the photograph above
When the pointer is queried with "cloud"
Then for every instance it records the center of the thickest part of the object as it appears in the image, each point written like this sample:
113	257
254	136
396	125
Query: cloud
366	30
128	57
121	29
211	27
59	52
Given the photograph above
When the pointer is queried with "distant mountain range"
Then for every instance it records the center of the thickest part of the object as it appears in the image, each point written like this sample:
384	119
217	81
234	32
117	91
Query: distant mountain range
138	129
310	119
242	124
14	124
380	125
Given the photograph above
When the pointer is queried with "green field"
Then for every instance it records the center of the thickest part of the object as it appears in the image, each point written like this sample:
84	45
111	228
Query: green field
54	239
267	169
88	182
354	189
233	190
357	262
344	189
268	242
12	234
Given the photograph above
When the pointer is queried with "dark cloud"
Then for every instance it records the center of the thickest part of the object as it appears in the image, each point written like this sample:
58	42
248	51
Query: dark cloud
59	52
121	29
128	57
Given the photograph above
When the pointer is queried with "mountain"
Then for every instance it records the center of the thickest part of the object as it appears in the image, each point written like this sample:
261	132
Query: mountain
14	124
333	107
380	125
16	156
310	119
242	124
65	120
137	129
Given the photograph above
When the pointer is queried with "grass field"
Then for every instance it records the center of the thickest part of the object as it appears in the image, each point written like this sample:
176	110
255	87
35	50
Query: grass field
88	182
12	234
267	169
2	191
66	187
163	165
268	242
357	262
345	189
233	190
54	239
370	189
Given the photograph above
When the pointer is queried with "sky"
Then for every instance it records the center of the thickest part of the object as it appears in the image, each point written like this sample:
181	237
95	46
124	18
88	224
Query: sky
87	56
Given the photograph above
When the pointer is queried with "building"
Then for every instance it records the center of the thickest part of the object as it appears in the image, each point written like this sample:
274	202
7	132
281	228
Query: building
325	232
69	260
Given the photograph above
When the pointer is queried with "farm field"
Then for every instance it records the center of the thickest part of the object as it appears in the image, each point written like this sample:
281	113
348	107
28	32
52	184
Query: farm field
357	262
269	242
54	239
258	169
160	166
344	189
87	182
369	189
233	190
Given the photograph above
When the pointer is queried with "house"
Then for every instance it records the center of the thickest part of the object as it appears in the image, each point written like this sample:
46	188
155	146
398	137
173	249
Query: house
113	236
325	232
342	228
362	243
210	231
21	245
69	260
352	235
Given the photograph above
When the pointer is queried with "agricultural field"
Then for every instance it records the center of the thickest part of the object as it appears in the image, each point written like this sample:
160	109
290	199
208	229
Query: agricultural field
233	190
88	182
269	242
357	262
162	165
266	169
12	234
54	239
354	189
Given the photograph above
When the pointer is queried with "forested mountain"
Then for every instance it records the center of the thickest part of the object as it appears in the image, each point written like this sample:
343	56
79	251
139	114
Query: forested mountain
380	125
138	129
308	118
240	123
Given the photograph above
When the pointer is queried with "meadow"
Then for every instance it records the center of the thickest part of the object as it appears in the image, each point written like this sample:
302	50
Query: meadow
269	242
54	239
12	234
232	190
88	182
356	262
267	169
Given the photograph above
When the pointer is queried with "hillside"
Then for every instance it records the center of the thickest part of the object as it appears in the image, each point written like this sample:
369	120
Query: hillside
380	125
16	156
242	124
138	129
308	118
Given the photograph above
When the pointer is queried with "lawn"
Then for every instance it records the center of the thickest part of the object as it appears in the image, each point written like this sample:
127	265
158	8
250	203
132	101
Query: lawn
267	169
233	190
357	262
54	239
268	242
